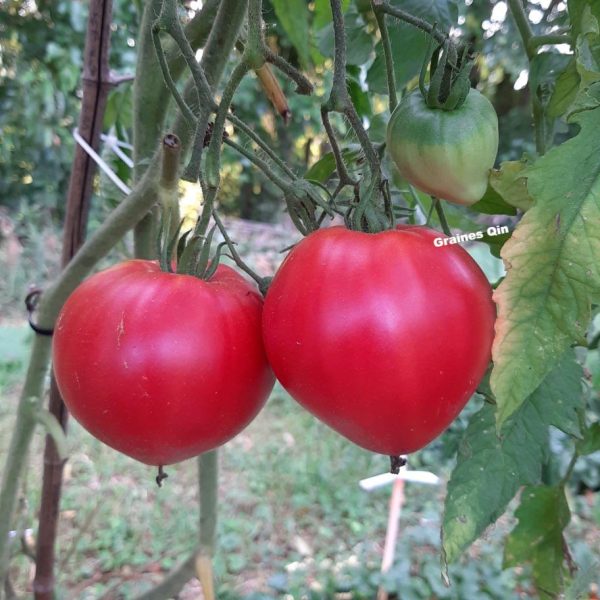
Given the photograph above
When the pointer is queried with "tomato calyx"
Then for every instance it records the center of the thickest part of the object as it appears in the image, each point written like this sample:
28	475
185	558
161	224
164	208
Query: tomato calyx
190	253
449	66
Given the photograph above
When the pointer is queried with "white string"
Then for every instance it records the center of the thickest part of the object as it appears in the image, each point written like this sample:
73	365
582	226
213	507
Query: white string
117	141
101	163
115	145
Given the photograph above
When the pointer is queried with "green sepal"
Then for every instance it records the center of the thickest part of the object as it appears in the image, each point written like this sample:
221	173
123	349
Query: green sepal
437	76
204	258
181	245
186	264
461	86
449	82
214	263
431	50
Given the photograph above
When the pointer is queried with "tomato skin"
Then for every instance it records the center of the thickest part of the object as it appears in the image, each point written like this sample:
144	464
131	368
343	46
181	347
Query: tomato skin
384	337
447	154
162	367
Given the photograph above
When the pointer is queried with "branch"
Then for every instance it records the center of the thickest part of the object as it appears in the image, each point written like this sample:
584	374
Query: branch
387	53
550	39
250	133
523	25
339	99
384	7
539	117
343	174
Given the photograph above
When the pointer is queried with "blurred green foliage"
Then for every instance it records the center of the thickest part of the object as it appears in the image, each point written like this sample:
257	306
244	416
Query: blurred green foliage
41	58
41	48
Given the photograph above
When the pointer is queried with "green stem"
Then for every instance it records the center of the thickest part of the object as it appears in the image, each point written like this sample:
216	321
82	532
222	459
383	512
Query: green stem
442	216
169	21
169	183
388	55
303	86
260	281
339	99
569	470
249	132
539	117
261	164
551	39
523	25
398	13
213	154
168	77
18	451
342	169
208	477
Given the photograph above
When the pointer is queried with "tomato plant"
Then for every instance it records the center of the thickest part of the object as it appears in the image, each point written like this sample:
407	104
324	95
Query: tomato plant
162	367
382	336
446	153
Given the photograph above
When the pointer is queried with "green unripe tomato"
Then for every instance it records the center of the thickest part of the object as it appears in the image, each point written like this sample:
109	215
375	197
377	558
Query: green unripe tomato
447	154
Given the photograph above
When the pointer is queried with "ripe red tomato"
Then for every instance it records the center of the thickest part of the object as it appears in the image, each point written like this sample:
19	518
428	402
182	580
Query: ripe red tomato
162	367
383	336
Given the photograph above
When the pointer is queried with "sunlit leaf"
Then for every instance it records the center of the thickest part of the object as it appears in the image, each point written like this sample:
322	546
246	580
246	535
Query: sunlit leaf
553	268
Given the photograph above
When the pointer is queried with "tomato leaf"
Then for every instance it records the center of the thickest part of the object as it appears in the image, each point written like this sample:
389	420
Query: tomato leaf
565	91
294	18
491	467
510	183
538	537
553	268
489	471
360	47
325	167
492	203
591	440
410	43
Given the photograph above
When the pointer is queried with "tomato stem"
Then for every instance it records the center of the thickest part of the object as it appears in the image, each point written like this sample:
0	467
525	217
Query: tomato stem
388	55
161	476
441	216
396	463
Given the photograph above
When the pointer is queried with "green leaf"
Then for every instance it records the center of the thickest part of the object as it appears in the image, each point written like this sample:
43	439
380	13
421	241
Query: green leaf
509	181
588	49
325	167
578	12
553	268
587	63
591	440
546	67
294	18
489	471
409	45
560	398
491	468
360	98
496	242
538	537
360	42
565	91
492	203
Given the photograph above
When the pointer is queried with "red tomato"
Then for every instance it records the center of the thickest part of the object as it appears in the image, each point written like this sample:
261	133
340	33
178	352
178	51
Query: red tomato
162	367
383	336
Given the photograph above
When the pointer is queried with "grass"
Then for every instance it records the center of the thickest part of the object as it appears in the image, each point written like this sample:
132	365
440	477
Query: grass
293	522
